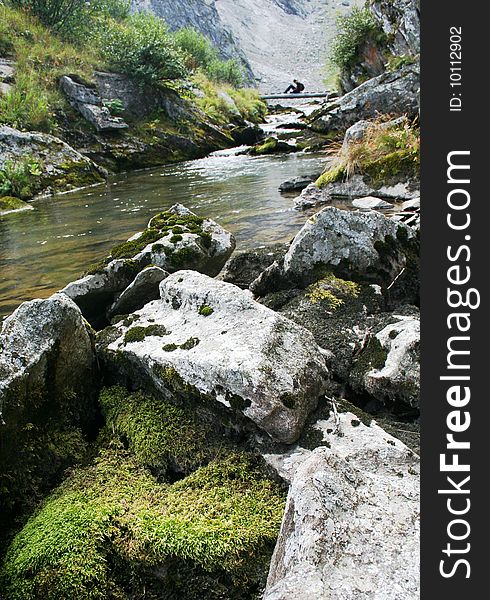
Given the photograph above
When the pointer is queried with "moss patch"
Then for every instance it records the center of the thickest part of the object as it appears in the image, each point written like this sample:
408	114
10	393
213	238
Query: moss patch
101	532
138	333
8	203
206	310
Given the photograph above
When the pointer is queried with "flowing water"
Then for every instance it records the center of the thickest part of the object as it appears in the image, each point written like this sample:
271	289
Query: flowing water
43	249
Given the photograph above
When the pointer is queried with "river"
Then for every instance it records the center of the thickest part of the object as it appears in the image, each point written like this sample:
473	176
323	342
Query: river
43	249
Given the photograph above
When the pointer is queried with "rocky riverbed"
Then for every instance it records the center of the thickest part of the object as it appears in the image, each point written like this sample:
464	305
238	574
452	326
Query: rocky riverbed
191	420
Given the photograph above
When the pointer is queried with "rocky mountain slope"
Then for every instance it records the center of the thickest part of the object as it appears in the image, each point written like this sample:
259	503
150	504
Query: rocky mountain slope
279	39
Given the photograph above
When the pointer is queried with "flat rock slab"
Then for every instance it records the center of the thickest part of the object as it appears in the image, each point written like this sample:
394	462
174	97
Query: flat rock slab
351	526
371	203
210	339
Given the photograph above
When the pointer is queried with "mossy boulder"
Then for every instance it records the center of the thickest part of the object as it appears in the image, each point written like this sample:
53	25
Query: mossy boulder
112	530
43	164
360	246
48	383
222	351
272	145
175	239
8	204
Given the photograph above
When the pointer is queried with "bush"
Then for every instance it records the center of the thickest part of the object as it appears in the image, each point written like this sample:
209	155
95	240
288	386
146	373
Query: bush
16	179
200	54
141	47
352	31
55	14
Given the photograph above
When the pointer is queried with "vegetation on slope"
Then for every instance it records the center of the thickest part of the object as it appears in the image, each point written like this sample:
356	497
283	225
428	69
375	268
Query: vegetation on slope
386	151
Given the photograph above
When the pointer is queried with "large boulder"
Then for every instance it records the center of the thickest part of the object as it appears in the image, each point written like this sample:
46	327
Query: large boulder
52	164
351	524
208	342
388	368
174	239
48	384
356	245
394	93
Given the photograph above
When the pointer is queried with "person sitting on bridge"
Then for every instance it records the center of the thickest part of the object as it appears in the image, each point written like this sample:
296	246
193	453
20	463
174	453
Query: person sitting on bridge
295	88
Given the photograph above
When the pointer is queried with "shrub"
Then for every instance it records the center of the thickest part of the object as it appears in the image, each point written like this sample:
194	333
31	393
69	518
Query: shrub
352	31
200	54
55	14
18	179
141	47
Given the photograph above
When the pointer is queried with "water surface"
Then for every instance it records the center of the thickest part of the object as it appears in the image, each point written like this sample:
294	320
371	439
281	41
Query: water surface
44	249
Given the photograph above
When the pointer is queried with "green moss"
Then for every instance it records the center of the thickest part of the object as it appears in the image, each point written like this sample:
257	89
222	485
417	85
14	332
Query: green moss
400	164
105	528
190	343
176	238
206	310
158	433
331	176
169	347
269	146
8	203
132	248
138	333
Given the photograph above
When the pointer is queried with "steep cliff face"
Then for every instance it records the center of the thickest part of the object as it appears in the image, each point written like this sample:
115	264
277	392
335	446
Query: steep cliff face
278	39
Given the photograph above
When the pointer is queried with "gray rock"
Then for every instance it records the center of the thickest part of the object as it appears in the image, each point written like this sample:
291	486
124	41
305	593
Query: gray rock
243	267
334	237
89	104
356	133
357	186
7	70
371	203
5	88
400	21
390	93
144	288
210	341
411	204
298	183
48	385
351	524
96	293
61	166
396	377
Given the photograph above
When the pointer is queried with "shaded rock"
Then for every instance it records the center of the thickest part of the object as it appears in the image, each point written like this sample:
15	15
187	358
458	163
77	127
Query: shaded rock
95	292
358	491
389	366
338	313
89	104
243	267
371	203
272	146
210	343
356	133
48	384
363	246
144	288
174	239
247	135
298	183
390	93
60	166
5	88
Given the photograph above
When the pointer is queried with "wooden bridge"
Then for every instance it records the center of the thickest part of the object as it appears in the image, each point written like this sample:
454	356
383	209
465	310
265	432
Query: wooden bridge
296	96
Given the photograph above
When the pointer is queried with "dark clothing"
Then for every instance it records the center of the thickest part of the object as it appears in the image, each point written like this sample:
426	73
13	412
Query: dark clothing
297	88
